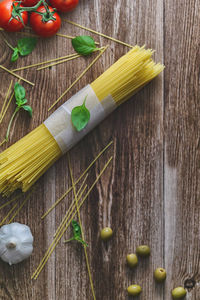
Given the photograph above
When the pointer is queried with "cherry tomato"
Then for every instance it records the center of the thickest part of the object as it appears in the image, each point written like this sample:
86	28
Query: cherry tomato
6	9
29	3
45	25
64	5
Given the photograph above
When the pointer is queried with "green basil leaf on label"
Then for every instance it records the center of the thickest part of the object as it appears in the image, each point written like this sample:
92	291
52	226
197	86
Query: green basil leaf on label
80	116
20	93
15	55
26	45
28	109
84	44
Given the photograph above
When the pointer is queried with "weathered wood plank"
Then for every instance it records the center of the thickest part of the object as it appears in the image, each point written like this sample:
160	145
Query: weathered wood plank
129	196
181	164
118	201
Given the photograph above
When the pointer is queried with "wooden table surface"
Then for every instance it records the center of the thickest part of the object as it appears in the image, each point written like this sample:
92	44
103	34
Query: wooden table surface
150	193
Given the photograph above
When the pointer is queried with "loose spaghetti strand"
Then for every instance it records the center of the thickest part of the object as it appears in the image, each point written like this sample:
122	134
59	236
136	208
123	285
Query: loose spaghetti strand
55	242
19	77
98	33
5	101
77	181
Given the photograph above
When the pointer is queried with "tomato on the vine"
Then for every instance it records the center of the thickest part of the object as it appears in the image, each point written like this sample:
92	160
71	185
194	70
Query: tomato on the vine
64	5
29	3
9	20
47	23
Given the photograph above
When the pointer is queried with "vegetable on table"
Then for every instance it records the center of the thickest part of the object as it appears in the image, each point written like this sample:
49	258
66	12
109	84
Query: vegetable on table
84	45
21	101
24	47
80	116
64	5
132	260
160	274
16	243
106	233
143	250
45	21
12	16
179	293
134	290
77	234
29	2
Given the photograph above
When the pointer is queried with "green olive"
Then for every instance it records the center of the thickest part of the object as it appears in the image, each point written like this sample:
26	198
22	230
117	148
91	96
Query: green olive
160	274
179	293
134	290
143	250
132	260
106	233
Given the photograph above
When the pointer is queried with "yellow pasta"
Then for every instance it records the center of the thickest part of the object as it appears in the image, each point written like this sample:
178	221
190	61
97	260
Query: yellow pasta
25	161
5	104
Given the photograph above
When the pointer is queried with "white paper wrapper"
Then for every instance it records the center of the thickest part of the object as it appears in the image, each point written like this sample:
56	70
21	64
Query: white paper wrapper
59	123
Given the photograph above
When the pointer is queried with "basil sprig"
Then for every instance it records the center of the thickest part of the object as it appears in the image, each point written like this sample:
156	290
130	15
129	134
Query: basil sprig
84	45
80	116
77	234
20	95
24	47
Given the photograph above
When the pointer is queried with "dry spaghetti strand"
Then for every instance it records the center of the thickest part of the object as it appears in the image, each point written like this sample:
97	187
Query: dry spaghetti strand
59	62
19	77
14	206
44	62
79	77
68	213
60	228
98	33
56	241
3	142
9	213
5	101
77	181
69	37
20	208
81	227
10	201
8	104
79	194
62	61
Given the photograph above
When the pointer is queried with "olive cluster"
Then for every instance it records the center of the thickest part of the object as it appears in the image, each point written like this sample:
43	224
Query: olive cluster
159	274
132	261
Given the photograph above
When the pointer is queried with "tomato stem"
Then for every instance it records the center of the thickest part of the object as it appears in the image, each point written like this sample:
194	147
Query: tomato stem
29	9
17	10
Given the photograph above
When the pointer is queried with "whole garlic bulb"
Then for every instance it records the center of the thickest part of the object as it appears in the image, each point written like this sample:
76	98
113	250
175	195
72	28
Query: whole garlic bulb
16	243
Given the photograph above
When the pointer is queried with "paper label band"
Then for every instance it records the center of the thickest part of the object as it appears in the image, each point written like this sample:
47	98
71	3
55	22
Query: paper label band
59	123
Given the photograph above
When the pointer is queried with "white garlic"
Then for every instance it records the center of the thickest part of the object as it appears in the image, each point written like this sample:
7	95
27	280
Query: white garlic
16	242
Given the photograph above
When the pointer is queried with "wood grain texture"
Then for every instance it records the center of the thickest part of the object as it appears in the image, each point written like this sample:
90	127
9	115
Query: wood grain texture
150	193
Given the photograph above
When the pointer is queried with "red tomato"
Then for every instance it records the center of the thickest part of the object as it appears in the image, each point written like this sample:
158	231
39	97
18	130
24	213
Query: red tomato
64	5
28	3
48	27
6	9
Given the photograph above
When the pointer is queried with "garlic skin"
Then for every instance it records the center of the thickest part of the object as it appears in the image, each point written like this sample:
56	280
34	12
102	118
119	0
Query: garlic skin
16	243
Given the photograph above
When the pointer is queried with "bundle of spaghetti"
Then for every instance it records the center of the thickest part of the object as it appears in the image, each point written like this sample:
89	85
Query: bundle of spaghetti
24	162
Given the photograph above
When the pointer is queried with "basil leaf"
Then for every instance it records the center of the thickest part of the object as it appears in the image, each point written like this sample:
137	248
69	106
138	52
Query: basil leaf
28	109
24	101
26	45
80	116
84	44
15	55
20	93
